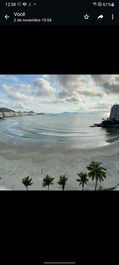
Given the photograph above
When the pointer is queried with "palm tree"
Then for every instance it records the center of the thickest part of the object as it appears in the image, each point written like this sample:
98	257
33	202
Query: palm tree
83	179
27	181
62	181
97	172
47	181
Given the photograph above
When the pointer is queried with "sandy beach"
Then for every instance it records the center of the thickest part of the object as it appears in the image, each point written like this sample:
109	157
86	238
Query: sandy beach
21	159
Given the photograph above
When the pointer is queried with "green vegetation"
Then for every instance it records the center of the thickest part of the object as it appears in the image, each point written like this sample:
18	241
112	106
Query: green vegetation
47	181
62	181
27	181
96	172
83	179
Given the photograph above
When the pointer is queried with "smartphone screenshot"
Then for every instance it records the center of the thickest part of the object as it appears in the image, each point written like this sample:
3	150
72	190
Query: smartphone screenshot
59	130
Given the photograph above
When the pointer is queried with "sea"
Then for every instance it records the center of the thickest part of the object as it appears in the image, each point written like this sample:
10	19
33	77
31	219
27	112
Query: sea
71	129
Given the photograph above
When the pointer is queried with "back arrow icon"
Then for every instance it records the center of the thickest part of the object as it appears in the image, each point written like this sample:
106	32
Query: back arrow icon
6	16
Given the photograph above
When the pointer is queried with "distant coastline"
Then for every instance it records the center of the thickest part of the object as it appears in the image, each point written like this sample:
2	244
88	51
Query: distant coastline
7	113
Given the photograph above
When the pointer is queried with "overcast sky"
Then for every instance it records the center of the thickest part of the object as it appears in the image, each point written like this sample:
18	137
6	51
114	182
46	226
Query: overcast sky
59	93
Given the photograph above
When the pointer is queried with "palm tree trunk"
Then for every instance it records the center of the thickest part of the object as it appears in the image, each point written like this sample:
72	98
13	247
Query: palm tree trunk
27	188
82	187
48	187
96	184
63	187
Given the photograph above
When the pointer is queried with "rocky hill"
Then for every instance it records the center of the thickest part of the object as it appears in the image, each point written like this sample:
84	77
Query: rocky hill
6	110
112	121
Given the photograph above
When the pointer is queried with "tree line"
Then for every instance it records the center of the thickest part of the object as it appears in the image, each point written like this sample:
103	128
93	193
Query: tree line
96	172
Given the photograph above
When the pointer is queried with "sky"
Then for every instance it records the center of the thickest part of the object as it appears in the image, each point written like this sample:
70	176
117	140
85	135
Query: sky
59	93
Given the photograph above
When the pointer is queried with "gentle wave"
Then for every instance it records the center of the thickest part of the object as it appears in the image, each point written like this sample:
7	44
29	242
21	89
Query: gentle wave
62	134
72	130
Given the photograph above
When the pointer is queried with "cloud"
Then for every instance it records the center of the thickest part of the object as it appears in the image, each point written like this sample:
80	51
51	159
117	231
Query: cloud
91	93
60	88
73	87
111	88
71	82
109	83
73	100
14	93
69	92
44	88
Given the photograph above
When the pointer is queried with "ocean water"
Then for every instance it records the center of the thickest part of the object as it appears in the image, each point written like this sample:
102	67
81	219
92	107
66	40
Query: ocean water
72	129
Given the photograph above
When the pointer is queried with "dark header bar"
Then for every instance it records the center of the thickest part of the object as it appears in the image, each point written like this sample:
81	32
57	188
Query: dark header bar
59	12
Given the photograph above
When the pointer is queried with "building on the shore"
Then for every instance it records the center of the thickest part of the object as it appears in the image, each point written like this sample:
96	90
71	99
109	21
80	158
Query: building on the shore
114	114
15	114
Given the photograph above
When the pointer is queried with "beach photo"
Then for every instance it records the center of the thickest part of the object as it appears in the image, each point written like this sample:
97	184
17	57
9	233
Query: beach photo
59	132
